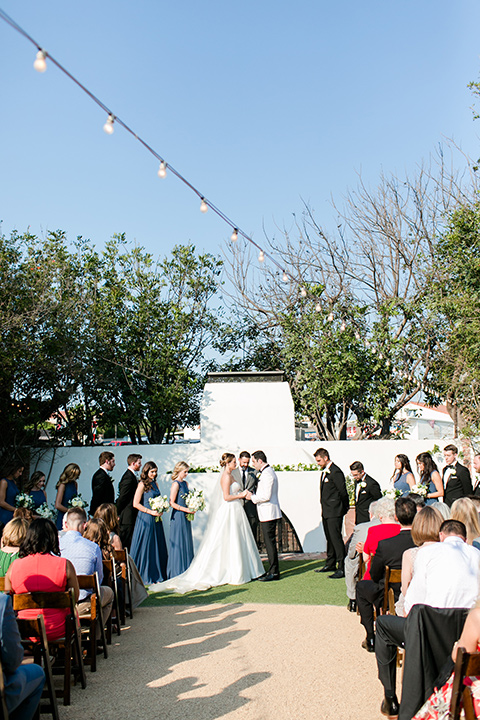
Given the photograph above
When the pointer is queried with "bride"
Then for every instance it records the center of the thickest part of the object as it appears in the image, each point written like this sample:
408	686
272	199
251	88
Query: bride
228	553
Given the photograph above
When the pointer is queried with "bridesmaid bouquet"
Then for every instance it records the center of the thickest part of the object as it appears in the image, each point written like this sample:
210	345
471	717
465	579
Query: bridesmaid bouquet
420	490
25	500
194	501
160	504
392	493
46	512
78	501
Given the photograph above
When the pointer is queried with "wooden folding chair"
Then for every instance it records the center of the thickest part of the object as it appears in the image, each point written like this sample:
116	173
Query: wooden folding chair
122	557
110	572
3	702
392	576
466	665
2	584
70	642
90	619
35	643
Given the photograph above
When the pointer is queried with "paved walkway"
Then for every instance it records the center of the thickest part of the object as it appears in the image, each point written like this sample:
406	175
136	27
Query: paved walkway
241	662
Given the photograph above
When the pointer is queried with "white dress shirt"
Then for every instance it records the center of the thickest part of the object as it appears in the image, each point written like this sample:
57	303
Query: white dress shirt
446	575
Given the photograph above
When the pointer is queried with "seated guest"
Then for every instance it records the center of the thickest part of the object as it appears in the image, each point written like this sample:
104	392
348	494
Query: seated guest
39	568
108	513
388	528
23	683
86	557
419	500
24	513
465	511
389	553
446	575
367	490
352	559
425	531
97	532
443	509
35	487
13	535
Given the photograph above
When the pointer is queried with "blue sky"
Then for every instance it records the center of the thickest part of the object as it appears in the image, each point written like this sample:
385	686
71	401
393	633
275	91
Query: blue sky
258	104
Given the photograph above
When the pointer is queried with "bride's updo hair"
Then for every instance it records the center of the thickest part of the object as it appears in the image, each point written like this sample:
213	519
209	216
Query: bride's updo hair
226	458
178	469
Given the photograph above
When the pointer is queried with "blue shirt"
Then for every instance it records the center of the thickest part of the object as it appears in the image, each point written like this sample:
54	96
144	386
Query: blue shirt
85	556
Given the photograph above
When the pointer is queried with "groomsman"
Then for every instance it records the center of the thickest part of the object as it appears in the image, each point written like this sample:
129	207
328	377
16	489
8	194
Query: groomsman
476	482
366	491
127	514
334	502
102	483
269	513
456	477
247	479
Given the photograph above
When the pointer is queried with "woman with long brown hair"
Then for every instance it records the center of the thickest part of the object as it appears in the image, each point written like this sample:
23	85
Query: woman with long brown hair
67	489
148	550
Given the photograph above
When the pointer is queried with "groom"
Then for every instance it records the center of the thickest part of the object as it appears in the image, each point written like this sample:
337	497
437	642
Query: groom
266	500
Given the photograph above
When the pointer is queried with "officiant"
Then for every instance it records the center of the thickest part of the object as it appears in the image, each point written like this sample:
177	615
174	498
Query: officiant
246	476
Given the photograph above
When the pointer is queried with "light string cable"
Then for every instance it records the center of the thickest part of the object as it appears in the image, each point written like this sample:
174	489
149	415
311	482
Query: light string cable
40	65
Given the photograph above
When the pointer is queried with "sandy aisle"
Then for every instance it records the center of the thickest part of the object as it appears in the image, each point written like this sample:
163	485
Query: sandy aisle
261	662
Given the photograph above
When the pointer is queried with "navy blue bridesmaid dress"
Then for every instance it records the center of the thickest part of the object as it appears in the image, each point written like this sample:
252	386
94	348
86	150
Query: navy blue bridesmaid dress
71	491
10	497
181	542
38	497
148	549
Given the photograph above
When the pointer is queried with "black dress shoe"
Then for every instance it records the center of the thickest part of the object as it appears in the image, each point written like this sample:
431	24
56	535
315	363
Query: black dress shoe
268	577
352	606
261	577
390	708
337	574
325	569
369	645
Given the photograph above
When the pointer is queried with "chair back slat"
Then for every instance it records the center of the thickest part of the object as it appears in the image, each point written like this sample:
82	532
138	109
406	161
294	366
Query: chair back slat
42	600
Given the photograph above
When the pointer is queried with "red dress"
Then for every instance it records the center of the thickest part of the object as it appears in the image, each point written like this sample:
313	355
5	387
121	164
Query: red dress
42	573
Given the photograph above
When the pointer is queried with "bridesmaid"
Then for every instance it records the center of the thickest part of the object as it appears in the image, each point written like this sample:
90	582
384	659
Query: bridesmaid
181	542
148	549
429	476
402	477
67	489
36	488
9	491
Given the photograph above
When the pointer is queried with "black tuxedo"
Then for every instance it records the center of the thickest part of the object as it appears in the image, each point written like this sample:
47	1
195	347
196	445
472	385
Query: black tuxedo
102	490
127	514
370	592
364	496
249	483
476	490
459	483
334	503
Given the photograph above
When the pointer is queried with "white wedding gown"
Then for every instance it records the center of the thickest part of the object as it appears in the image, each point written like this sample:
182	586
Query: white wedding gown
227	554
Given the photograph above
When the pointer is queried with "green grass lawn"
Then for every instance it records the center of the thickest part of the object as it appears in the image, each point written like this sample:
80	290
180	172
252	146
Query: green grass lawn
299	585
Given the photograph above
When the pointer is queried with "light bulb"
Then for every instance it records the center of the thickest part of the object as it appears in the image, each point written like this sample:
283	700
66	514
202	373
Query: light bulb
285	277
367	344
162	170
330	317
234	235
203	206
303	292
318	307
357	335
343	326
380	357
108	127
261	256
387	363
39	64
374	350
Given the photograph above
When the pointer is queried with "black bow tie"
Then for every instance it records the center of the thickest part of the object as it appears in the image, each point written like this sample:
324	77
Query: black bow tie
449	466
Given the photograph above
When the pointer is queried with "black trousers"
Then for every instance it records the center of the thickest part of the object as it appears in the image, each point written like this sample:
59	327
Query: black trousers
332	528
252	516
390	634
269	531
369	595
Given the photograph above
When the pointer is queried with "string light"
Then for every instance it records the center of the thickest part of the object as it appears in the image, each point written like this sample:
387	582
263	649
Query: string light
357	335
330	317
285	277
318	308
343	326
162	170
234	235
108	127
39	64
303	292
203	206
261	256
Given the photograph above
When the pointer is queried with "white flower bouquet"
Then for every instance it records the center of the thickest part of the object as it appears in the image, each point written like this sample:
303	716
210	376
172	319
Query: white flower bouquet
195	502
25	500
77	501
45	511
392	493
160	504
420	490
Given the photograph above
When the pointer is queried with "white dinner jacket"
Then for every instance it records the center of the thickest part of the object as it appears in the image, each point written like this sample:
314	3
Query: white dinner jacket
266	497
